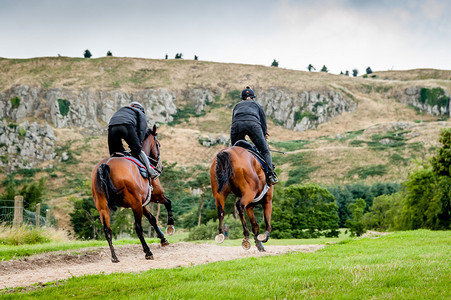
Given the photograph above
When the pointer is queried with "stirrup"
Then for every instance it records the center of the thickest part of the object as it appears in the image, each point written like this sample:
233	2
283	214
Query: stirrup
272	179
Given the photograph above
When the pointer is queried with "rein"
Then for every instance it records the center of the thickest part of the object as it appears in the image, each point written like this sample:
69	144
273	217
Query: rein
155	162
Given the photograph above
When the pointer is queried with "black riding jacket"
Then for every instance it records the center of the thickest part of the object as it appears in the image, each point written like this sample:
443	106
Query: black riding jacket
132	116
249	110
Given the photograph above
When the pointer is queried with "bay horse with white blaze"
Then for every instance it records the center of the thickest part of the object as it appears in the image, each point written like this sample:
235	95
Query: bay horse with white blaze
117	182
235	170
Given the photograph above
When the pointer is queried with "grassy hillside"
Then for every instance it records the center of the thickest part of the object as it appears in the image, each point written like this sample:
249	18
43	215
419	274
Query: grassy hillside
346	149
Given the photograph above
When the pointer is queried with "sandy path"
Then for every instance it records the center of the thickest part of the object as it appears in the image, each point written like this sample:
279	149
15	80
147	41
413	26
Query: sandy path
53	266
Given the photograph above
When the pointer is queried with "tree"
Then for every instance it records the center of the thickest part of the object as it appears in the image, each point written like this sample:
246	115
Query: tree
196	57
324	69
305	211
87	53
311	67
356	225
368	70
347	73
109	53
355	72
85	220
275	63
420	189
441	162
385	212
166	56
178	56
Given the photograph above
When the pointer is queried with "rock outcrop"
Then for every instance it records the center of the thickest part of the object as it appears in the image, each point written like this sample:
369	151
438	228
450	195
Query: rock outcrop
302	110
26	145
433	101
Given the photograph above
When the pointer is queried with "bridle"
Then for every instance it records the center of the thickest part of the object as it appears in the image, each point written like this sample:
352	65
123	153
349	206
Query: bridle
156	162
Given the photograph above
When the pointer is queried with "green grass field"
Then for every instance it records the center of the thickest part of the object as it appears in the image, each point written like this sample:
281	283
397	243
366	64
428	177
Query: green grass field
401	265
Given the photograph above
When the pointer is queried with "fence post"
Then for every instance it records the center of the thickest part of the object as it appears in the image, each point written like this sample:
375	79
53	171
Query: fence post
18	211
38	214
47	218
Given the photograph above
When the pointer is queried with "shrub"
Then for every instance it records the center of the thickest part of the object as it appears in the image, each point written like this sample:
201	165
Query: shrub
63	105
365	171
298	116
434	96
234	94
22	131
26	235
15	102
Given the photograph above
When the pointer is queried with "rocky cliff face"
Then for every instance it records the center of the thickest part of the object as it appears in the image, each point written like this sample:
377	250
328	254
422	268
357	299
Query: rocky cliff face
25	145
302	110
433	101
91	110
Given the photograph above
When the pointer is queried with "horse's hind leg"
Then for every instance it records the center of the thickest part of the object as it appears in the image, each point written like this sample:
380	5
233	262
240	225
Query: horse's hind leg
139	232
255	227
245	244
220	202
153	222
105	218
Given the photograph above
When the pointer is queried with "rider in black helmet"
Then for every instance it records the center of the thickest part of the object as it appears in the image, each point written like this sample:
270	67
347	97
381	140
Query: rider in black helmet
250	119
129	124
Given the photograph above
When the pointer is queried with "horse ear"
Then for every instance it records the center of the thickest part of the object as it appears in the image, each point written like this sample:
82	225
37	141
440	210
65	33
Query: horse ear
154	129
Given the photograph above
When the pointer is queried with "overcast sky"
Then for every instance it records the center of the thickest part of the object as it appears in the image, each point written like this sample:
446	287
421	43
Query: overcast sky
341	34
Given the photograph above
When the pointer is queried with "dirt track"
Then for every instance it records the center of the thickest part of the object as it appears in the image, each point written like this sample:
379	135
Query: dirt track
54	266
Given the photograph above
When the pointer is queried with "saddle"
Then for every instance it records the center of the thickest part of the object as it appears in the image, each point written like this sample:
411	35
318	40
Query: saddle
141	168
254	151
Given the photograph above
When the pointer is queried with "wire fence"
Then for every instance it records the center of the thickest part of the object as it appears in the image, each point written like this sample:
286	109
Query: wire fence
11	211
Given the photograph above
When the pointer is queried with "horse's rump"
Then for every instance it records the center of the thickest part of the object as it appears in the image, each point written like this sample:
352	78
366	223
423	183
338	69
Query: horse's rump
105	185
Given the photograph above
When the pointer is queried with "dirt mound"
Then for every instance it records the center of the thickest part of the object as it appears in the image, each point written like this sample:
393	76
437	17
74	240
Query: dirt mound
60	265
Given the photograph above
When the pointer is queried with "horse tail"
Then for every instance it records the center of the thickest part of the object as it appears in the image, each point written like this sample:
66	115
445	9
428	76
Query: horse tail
105	184
223	169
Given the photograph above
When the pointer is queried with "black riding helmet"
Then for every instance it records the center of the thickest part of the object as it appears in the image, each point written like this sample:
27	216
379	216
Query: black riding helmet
138	106
247	92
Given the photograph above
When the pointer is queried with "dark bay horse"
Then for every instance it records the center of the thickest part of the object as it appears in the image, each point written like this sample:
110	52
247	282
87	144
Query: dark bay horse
116	182
235	170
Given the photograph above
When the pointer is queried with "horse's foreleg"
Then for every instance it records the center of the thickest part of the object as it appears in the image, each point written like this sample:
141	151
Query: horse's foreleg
105	219
267	211
139	232
153	222
255	227
168	204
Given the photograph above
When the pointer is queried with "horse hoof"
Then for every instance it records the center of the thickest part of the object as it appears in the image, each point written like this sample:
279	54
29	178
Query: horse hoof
262	237
164	243
170	230
246	245
219	238
114	260
149	256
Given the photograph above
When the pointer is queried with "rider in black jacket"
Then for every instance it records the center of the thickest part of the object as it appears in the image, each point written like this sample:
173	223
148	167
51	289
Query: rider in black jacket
250	119
129	123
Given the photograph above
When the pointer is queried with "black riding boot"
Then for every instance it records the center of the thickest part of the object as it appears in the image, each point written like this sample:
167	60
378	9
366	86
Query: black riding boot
150	171
272	177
